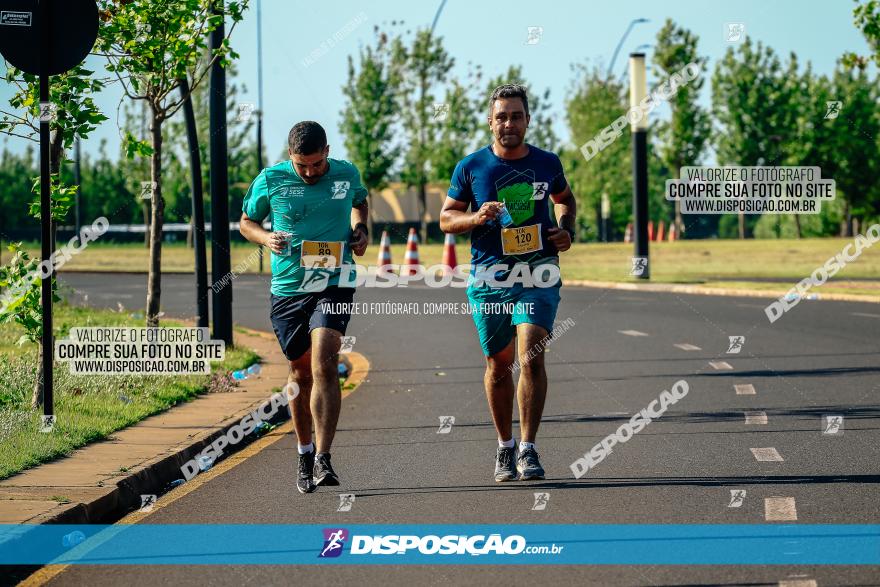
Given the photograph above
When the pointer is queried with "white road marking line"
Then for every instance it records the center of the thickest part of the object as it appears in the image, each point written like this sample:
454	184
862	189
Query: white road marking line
798	583
721	365
768	454
780	509
744	389
756	417
633	333
865	315
688	347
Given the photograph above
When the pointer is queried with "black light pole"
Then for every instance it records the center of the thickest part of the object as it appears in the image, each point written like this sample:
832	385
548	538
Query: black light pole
260	99
220	261
77	179
46	211
638	89
198	207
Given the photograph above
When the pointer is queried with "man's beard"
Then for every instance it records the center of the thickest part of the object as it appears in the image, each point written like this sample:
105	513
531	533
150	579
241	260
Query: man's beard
510	140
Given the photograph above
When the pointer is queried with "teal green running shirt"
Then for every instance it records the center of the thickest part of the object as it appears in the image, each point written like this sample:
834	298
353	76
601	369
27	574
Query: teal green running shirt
319	215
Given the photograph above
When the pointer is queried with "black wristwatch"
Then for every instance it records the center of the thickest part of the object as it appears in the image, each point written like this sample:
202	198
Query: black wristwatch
570	233
364	227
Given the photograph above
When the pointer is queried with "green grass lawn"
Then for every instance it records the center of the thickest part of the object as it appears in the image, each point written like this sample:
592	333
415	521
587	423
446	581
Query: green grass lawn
88	407
713	263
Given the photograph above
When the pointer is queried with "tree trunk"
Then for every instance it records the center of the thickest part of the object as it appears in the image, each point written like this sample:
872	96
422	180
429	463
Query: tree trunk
154	278
797	225
423	213
370	213
742	226
847	219
37	396
146	212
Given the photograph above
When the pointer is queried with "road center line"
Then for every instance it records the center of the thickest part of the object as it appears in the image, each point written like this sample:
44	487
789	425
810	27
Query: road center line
632	333
721	365
798	583
865	315
780	509
744	389
756	417
768	454
688	347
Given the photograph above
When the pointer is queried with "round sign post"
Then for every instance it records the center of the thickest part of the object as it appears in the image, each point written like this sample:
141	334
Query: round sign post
43	38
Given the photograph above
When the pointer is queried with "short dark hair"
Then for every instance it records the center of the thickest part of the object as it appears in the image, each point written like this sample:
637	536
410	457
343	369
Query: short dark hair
306	138
510	91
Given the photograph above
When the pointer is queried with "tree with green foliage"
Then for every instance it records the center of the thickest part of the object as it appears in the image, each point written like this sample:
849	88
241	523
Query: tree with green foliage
424	64
753	99
683	138
593	104
370	113
75	116
460	122
149	46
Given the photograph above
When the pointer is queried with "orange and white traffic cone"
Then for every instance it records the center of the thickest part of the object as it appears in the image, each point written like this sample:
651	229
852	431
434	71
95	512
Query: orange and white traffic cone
411	257
672	233
449	260
384	259
661	229
628	235
651	230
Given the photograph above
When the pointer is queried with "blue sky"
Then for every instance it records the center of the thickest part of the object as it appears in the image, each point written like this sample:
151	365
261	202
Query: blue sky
494	35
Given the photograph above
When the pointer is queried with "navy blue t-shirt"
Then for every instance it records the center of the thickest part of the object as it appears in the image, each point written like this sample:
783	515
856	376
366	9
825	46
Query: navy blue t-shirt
524	185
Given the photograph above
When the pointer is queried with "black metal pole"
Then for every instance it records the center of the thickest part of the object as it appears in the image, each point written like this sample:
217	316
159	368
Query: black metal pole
46	213
640	197
77	179
639	126
260	99
220	259
198	206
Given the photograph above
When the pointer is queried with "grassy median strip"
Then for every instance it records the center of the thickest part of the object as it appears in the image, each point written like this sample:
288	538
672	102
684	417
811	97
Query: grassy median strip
741	264
88	407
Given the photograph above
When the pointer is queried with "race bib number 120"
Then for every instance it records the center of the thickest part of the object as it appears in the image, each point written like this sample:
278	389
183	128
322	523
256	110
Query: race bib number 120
521	240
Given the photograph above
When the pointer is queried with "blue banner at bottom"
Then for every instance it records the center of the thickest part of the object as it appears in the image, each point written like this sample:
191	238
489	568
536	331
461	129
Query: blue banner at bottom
261	544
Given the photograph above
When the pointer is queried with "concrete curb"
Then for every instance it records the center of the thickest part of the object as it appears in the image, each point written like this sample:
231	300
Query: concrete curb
154	475
712	291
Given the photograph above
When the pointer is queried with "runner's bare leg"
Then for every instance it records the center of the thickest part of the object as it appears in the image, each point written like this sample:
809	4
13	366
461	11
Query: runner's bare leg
301	374
532	388
326	400
499	390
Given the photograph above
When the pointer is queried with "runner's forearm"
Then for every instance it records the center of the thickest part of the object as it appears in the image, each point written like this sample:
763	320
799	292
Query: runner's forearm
253	231
566	212
456	221
360	214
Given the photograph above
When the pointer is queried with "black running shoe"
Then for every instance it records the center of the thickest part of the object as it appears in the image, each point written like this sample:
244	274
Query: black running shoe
324	473
505	464
529	466
304	475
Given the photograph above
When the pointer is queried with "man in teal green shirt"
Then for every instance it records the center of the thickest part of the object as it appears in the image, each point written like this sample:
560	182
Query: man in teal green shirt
313	202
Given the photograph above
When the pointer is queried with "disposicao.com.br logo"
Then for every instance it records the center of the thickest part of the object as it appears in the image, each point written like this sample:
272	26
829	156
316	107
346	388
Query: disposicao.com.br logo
335	538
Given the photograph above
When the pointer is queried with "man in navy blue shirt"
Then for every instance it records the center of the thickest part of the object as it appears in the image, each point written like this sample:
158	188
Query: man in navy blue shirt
502	194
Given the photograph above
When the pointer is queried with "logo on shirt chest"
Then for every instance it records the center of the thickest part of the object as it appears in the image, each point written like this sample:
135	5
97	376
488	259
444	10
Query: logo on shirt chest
295	191
340	189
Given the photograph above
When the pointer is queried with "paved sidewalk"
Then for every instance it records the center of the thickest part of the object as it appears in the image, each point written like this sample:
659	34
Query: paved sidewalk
104	480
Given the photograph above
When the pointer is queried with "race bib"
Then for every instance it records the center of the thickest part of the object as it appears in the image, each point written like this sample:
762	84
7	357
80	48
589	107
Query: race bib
521	240
321	254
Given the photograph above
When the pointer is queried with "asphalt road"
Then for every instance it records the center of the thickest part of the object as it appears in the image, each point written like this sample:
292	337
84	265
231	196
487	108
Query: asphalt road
821	358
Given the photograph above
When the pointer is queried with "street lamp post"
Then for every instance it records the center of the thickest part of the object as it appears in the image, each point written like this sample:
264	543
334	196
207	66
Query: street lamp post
632	23
638	89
